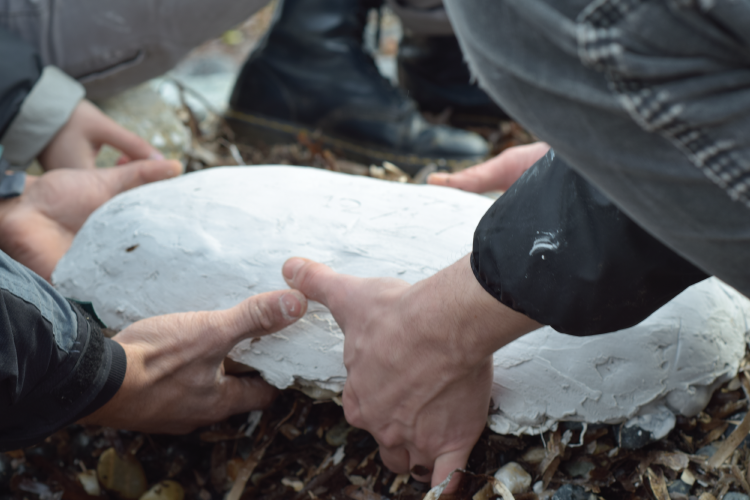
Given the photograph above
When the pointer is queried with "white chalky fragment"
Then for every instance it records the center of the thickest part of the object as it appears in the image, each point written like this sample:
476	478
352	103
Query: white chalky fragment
206	241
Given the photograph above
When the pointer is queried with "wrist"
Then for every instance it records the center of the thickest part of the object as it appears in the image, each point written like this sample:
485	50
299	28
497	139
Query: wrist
477	324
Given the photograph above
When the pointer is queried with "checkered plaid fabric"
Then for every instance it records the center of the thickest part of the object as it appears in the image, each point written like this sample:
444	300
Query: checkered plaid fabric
600	46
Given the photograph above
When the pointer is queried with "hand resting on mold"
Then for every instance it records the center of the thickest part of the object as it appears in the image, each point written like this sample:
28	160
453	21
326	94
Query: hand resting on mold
38	227
175	379
76	145
419	374
496	174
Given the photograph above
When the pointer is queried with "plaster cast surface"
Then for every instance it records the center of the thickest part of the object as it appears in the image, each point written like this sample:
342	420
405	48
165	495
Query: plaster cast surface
208	240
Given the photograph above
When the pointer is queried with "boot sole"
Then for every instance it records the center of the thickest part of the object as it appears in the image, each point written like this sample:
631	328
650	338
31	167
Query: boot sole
264	132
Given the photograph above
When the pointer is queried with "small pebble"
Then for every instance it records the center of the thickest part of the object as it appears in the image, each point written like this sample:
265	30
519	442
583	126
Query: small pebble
570	491
578	468
122	475
538	487
735	495
336	436
688	477
679	490
514	477
707	450
632	437
167	489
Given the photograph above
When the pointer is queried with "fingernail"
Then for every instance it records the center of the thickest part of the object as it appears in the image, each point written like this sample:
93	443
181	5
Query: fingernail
156	156
291	305
291	267
438	177
182	167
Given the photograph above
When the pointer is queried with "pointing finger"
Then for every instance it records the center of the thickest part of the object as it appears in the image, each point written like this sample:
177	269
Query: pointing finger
135	147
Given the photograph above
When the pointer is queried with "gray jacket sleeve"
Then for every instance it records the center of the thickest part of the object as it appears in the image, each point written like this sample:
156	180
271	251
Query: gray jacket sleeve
55	365
35	101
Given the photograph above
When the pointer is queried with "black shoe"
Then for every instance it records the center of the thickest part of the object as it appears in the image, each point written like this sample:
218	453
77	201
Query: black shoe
432	70
312	75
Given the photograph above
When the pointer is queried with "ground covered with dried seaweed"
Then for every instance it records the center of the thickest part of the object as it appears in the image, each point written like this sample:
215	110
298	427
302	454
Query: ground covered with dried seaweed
304	449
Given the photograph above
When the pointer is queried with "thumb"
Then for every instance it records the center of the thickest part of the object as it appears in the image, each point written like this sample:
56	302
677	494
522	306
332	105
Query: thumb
447	464
258	316
134	174
315	280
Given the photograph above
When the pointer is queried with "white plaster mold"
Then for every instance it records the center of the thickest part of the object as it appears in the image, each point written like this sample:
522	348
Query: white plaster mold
208	240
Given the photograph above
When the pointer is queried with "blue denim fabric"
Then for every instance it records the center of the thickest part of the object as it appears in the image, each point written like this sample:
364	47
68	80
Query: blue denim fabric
27	285
647	99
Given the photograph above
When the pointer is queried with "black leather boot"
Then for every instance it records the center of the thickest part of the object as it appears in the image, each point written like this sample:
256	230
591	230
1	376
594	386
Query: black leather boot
432	70
311	74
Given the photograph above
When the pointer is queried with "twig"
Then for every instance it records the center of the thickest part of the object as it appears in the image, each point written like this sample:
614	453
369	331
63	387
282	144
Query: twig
730	444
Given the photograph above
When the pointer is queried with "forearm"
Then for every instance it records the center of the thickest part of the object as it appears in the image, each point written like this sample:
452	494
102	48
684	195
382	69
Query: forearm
556	249
56	365
477	324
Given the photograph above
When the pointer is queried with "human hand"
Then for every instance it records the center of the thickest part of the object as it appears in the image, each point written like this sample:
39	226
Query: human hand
37	228
76	145
175	379
497	173
418	359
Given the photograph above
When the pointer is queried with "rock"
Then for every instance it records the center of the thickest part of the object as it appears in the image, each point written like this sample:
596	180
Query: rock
706	450
167	489
578	468
515	478
735	495
142	110
207	240
336	436
632	437
570	491
122	475
679	490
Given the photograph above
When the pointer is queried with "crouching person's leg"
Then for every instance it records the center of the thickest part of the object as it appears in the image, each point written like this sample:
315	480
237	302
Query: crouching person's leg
111	46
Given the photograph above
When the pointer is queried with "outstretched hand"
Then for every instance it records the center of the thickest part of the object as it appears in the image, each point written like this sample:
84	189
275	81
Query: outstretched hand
496	174
37	228
76	145
418	360
175	379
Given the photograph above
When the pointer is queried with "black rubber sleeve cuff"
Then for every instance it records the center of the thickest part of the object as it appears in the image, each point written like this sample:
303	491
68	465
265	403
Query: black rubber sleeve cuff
119	365
554	248
82	381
